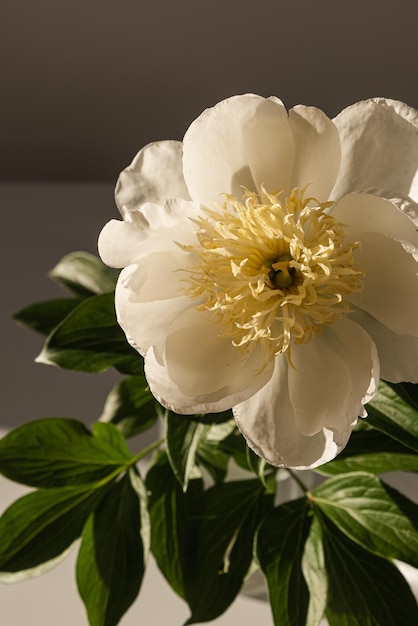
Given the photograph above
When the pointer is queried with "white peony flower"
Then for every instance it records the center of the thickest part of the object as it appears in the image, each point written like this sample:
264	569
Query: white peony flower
265	258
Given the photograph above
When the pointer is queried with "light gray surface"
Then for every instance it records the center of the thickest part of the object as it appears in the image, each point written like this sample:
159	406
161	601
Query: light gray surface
86	84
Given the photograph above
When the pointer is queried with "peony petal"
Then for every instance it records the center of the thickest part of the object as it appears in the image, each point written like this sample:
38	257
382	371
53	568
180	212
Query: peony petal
268	424
269	146
304	415
151	228
155	175
171	397
120	243
379	144
158	276
398	354
345	358
145	323
391	284
215	157
317	151
392	215
200	361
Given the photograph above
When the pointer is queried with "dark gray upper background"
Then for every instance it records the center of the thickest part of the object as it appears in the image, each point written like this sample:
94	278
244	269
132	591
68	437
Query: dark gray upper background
84	84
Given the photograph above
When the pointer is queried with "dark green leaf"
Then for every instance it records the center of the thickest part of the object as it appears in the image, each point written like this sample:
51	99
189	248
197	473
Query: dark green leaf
210	418
213	460
407	391
407	506
182	439
172	525
45	316
315	574
372	451
89	339
265	472
390	414
280	544
236	447
83	274
43	524
231	514
57	452
131	406
363	588
111	561
359	505
111	435
209	453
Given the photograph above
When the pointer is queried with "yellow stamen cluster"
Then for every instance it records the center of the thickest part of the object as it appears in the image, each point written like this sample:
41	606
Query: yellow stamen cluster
272	270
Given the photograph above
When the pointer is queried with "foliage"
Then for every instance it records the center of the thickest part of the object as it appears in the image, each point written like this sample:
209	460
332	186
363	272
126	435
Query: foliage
330	551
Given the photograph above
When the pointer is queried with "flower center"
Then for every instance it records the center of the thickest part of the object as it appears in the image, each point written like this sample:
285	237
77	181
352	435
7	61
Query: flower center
272	271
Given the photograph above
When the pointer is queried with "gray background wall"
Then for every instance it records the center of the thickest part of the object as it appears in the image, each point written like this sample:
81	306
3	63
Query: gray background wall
85	83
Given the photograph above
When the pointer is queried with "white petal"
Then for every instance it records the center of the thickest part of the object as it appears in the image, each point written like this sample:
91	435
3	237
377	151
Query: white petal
151	228
200	362
304	416
155	175
391	283
389	256
379	143
317	151
120	243
269	145
173	398
158	276
145	323
345	360
215	157
398	354
393	216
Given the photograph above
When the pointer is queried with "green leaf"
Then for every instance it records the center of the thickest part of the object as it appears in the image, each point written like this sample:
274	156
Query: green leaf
111	561
363	588
315	574
172	527
224	539
390	414
43	524
407	506
43	317
407	391
209	453
111	435
280	544
236	447
213	460
210	418
89	339
57	452
359	505
130	406
182	439
83	274
203	541
372	451
263	470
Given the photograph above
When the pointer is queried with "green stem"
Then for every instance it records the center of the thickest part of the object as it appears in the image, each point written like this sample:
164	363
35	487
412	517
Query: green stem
300	482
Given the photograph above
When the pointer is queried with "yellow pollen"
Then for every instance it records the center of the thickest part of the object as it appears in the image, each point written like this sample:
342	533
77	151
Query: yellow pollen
272	271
